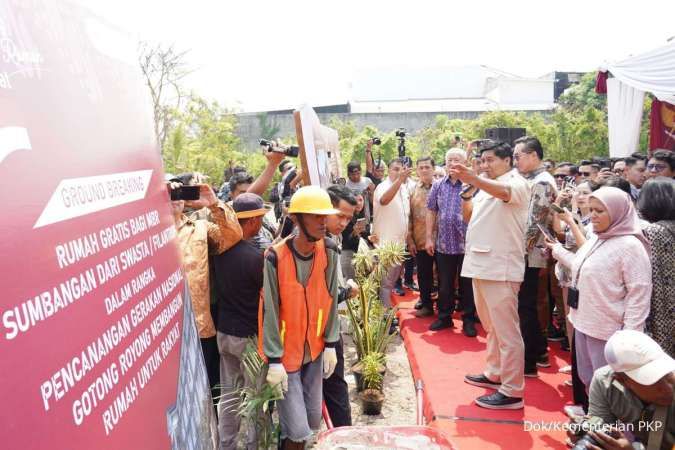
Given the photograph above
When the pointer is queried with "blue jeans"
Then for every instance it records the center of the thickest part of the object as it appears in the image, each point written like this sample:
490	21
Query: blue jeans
300	410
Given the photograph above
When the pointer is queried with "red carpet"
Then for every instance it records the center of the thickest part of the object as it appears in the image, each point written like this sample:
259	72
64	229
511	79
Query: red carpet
441	359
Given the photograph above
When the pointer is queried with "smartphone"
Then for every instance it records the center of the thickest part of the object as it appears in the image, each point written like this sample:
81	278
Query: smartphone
546	233
185	193
557	208
361	220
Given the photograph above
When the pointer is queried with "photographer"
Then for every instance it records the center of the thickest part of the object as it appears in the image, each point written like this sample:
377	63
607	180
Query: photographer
197	239
390	219
637	389
237	283
374	171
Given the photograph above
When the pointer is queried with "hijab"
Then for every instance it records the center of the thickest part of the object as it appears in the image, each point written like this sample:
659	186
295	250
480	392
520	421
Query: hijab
624	220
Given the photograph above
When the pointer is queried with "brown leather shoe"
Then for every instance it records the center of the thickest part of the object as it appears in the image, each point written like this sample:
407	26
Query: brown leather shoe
425	311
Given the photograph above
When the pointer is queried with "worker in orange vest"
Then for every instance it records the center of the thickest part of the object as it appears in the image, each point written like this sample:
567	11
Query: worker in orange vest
298	322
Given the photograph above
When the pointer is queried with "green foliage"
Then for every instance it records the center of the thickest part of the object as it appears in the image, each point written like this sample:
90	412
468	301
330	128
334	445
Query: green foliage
582	96
203	139
268	127
253	402
371	368
370	320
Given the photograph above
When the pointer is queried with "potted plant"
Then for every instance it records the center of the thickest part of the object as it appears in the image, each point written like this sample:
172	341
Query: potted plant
372	396
358	369
254	400
370	320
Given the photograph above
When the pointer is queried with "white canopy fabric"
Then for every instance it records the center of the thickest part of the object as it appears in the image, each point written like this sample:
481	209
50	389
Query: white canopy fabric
652	72
624	117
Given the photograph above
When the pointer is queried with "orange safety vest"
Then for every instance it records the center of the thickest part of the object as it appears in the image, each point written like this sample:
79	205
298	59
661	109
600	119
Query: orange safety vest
303	311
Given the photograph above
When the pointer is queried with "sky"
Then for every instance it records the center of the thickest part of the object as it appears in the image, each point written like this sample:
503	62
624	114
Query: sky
257	55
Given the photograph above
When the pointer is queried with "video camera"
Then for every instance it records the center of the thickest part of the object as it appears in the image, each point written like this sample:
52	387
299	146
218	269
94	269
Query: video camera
376	140
290	150
582	428
400	134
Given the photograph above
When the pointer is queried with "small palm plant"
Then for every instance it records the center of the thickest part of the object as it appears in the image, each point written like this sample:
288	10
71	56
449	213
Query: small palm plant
370	320
253	404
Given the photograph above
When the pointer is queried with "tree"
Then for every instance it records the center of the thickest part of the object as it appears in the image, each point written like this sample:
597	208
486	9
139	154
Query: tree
163	68
268	128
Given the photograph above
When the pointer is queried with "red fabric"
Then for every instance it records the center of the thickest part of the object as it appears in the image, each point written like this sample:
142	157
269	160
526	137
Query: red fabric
661	126
441	359
601	82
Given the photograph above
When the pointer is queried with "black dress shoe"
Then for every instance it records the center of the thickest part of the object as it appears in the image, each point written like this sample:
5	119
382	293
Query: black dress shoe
424	312
419	304
499	401
440	324
482	381
531	371
469	328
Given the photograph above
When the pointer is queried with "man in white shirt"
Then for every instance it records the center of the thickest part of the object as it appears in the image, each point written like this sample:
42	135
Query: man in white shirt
391	202
495	260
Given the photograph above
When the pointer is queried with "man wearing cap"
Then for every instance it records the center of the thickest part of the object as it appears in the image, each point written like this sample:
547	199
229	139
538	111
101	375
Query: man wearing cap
298	323
636	388
237	283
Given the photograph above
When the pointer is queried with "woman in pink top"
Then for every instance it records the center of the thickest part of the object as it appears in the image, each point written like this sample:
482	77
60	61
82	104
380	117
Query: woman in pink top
612	274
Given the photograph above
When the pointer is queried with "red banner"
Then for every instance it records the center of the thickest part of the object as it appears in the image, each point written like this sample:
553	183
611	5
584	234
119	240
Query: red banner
99	347
662	126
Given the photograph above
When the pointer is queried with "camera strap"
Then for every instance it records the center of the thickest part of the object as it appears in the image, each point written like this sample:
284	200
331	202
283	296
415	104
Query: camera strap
596	246
656	435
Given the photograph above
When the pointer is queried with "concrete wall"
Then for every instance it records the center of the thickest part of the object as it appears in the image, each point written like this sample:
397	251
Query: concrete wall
249	125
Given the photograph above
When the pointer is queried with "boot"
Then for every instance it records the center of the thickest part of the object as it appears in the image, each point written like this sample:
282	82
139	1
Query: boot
287	444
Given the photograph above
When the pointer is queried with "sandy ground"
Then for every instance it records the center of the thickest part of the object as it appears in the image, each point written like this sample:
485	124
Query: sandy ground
399	389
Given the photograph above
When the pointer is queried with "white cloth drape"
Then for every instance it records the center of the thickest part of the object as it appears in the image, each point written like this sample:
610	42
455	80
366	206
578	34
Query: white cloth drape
624	114
653	72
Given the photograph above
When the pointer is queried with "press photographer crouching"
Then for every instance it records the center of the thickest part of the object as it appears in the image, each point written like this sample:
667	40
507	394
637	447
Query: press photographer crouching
636	391
198	239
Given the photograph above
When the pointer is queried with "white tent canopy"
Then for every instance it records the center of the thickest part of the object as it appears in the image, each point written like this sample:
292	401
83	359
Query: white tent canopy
652	72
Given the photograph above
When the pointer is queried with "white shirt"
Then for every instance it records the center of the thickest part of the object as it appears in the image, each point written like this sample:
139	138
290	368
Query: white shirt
390	222
495	244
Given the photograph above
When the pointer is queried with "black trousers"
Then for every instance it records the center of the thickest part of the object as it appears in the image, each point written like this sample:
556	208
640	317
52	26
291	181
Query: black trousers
530	328
425	276
450	268
336	392
212	360
408	270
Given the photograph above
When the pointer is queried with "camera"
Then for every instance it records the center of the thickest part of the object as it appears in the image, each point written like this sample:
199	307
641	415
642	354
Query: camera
582	428
400	133
376	141
291	150
185	193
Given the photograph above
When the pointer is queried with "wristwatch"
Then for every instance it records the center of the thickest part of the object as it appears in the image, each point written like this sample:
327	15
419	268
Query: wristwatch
466	198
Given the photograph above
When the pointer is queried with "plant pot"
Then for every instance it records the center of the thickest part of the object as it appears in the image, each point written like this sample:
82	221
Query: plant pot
371	401
358	375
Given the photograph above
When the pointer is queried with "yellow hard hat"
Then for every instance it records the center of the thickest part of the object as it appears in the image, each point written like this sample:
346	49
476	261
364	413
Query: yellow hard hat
311	200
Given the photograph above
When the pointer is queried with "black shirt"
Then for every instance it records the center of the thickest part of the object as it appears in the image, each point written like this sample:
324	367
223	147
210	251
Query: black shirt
238	280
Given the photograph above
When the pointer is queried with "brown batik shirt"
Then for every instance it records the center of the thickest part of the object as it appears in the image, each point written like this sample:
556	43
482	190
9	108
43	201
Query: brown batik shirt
198	239
417	226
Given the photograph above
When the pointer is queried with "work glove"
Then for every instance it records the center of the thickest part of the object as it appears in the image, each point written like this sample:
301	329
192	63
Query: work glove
329	361
277	377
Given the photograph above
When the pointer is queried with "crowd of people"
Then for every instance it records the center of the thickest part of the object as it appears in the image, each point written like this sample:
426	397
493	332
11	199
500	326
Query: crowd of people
538	253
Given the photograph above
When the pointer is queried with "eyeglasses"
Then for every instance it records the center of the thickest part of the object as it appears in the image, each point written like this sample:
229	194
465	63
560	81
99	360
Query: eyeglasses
656	167
560	175
585	174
